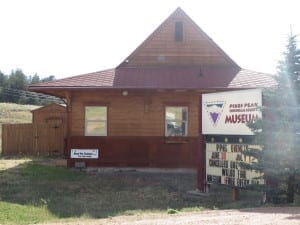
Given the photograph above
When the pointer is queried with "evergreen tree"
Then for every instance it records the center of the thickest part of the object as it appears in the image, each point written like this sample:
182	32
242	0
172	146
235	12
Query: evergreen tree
13	88
49	78
3	80
35	79
16	80
278	131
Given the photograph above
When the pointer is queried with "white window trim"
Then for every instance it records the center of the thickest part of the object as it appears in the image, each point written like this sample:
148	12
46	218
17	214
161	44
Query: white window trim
176	120
86	121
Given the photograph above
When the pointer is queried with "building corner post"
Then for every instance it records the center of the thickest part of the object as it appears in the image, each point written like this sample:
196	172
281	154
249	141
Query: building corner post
69	123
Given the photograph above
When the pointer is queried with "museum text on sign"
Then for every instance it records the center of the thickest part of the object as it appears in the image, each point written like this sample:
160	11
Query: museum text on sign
227	113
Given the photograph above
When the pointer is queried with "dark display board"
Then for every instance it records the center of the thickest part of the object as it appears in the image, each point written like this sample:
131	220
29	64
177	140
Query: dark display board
223	165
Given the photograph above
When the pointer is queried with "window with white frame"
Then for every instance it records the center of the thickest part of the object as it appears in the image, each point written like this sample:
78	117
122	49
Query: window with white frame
176	121
95	121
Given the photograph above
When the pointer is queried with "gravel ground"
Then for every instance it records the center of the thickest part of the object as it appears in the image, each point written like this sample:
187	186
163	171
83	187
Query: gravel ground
257	216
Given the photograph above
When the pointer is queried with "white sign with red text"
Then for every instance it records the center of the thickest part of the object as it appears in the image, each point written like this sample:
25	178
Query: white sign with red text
229	112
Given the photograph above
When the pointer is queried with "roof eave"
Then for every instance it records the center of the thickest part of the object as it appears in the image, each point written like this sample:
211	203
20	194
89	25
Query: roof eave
90	88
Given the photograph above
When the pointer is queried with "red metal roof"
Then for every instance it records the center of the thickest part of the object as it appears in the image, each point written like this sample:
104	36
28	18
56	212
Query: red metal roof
163	78
252	79
173	78
159	76
97	79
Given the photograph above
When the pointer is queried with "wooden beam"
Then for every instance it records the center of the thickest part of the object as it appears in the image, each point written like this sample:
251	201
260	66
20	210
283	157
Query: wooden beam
69	122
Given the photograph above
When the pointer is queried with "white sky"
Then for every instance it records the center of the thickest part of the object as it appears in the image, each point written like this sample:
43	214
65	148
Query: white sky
71	37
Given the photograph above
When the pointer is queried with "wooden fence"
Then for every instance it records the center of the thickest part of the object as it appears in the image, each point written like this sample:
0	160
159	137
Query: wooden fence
33	139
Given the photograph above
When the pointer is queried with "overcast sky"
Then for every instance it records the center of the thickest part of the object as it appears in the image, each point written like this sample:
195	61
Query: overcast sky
64	38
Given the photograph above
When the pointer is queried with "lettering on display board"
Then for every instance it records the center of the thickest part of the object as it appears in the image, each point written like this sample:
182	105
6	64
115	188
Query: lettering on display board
223	165
242	113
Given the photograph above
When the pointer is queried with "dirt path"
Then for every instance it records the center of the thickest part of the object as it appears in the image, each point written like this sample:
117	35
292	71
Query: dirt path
256	216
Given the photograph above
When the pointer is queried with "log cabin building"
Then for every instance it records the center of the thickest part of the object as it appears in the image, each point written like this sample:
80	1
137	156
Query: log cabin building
146	112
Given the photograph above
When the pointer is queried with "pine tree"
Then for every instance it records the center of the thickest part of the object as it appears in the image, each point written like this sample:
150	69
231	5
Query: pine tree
3	80
35	79
278	131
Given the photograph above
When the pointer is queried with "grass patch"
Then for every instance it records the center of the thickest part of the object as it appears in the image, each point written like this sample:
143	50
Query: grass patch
14	113
39	193
193	209
172	211
12	213
50	173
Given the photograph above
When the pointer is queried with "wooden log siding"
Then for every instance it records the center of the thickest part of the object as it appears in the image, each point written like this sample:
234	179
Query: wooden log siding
138	151
49	112
162	49
137	114
136	129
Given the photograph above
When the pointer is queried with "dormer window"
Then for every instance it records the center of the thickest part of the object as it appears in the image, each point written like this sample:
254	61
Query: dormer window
179	31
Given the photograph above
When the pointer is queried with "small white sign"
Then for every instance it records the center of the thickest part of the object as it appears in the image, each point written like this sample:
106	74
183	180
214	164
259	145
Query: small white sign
84	153
229	112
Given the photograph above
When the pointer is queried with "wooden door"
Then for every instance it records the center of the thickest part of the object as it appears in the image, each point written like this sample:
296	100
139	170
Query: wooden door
49	138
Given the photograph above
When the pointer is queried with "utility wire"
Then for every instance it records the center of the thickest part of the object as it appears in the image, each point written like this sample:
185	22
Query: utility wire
29	95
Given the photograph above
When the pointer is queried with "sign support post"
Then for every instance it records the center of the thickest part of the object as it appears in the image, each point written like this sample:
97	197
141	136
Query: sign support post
201	165
235	194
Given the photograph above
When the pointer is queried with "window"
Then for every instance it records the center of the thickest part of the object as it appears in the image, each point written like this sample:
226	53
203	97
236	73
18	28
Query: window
179	31
176	123
95	121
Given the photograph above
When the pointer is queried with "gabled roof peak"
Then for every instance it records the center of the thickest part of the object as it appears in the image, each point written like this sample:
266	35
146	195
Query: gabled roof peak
163	48
179	9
